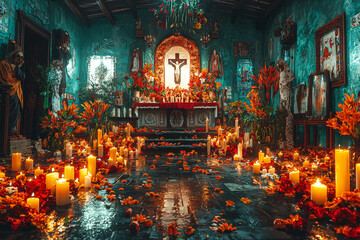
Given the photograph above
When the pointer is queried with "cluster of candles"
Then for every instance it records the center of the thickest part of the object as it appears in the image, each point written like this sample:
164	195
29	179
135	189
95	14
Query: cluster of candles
173	97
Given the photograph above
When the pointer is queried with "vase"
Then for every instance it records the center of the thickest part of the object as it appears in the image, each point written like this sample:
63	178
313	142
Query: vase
136	96
212	95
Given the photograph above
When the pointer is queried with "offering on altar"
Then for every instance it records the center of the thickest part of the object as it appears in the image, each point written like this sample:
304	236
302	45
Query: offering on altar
319	193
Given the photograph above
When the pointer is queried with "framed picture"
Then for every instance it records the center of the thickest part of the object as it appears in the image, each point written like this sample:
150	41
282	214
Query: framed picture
300	100
330	48
318	96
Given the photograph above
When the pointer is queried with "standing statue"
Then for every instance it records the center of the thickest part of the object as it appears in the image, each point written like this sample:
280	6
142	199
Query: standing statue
60	51
11	74
138	24
215	65
135	60
286	77
55	76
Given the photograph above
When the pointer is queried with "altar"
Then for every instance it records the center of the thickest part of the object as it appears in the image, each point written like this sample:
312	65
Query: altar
188	115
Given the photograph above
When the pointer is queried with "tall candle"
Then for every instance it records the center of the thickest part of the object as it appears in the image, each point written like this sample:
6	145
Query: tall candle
100	150
69	172
29	163
246	136
236	123
209	145
239	150
121	153
126	153
342	171
256	168
62	192
33	202
358	175
207	125
136	154
261	156
295	176
131	154
51	179
82	173
113	152
219	132
319	193
237	131
99	136
92	165
16	162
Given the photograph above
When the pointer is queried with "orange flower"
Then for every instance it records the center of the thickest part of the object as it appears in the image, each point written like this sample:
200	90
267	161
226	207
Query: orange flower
189	231
139	218
245	200
218	177
148	223
111	197
225	227
121	189
124	181
152	167
217	189
221	192
229	203
172	229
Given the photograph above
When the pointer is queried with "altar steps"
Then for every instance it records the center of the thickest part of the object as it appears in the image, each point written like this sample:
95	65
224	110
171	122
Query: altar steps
174	141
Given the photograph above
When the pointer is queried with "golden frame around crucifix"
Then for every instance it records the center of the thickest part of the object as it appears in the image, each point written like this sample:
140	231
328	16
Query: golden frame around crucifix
165	46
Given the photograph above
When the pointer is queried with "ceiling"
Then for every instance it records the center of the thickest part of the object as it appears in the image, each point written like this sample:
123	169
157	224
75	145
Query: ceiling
259	10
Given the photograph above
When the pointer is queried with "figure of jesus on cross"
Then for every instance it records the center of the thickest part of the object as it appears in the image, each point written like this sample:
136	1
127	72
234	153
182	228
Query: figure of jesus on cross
177	63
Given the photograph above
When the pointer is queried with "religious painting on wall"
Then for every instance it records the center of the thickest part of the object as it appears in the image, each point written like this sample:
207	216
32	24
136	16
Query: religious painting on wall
330	50
244	72
101	69
4	17
318	97
300	100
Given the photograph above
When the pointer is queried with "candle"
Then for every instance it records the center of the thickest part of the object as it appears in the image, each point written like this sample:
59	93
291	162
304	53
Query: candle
267	159
240	148
131	154
246	136
358	175
237	131
91	165
105	137
82	173
33	202
87	181
219	132
120	160
207	124
136	154
264	171
113	152
256	168
99	136
69	172
88	150
121	153
208	145
126	153
62	192
319	193
68	149
236	123
236	157
2	174
16	162
306	163
51	179
100	150
38	171
110	161
29	163
261	156
342	171
251	143
280	154
272	170
296	156
267	150
95	143
294	177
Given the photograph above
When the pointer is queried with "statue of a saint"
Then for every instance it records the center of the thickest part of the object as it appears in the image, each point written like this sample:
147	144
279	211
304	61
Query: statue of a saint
138	24
55	76
136	60
215	64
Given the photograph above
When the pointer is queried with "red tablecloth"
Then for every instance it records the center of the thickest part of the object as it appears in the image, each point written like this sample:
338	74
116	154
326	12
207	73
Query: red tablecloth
178	105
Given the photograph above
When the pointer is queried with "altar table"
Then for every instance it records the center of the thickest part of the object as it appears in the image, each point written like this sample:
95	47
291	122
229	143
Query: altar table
176	115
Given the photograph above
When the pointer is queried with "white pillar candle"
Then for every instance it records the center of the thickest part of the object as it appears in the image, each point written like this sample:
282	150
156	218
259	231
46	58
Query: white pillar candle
113	152
319	193
110	161
100	150
342	171
82	173
120	160
136	154
121	153
272	170
256	168
92	165
38	171
261	157
69	172
294	176
51	180
16	162
87	181
62	192
33	202
29	163
131	154
358	175
246	136
207	124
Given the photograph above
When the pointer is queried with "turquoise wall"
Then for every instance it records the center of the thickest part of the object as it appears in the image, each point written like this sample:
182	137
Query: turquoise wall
120	40
50	15
310	15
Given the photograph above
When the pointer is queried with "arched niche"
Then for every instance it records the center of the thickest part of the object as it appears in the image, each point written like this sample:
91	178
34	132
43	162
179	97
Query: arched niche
171	43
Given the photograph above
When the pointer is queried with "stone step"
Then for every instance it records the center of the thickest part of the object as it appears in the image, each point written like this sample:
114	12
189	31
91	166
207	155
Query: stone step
162	150
173	134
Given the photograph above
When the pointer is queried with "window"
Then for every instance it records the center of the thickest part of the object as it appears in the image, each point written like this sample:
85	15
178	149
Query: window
101	68
244	70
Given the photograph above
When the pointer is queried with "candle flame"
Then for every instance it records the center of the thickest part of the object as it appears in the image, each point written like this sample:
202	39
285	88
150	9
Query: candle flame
35	177
62	176
32	194
39	167
20	173
295	169
318	181
10	184
52	169
30	180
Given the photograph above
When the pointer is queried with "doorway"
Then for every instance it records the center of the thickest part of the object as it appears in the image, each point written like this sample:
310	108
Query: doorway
35	42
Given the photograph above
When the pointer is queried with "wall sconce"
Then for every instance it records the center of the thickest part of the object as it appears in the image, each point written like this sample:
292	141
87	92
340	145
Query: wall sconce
205	39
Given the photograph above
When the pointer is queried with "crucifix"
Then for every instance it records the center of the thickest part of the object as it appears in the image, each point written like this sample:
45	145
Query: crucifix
177	63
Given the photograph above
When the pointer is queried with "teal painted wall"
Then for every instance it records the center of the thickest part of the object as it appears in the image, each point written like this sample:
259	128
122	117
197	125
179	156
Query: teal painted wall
122	40
310	15
50	15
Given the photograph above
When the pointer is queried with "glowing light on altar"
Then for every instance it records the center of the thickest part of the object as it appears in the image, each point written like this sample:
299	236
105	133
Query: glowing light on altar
177	68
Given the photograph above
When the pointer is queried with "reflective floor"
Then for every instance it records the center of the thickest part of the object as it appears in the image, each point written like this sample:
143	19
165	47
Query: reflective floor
185	197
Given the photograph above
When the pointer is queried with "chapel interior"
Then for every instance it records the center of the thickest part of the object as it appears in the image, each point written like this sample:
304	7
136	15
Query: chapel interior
189	119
